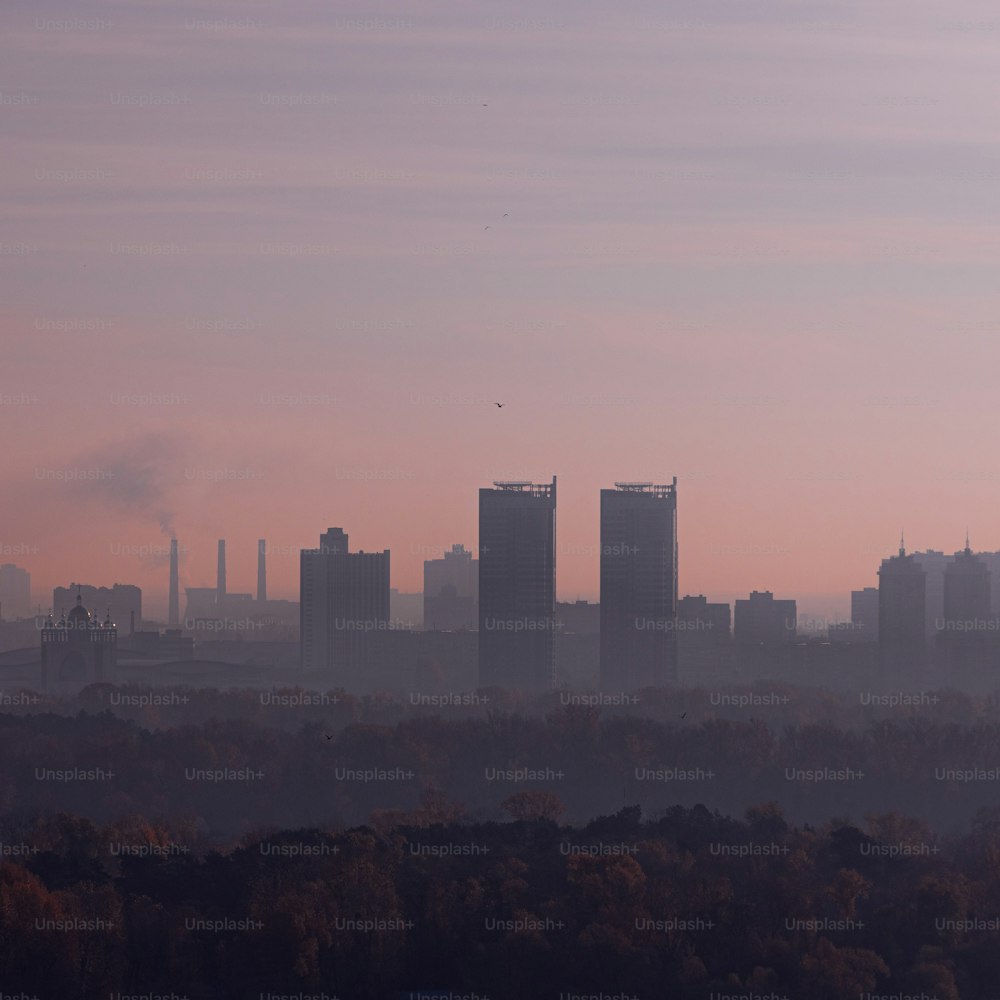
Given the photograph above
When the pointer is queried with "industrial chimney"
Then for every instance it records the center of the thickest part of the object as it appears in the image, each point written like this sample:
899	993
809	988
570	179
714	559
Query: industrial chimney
173	610
220	585
261	570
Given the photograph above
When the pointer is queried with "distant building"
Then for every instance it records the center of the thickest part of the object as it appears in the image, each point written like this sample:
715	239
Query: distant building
199	603
864	614
170	644
902	610
407	610
933	564
78	649
15	592
344	598
698	619
760	619
217	613
704	640
122	600
517	585
578	618
451	591
966	595
638	586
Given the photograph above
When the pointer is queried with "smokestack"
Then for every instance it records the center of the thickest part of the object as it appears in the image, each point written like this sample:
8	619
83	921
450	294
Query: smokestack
220	585
261	570
173	612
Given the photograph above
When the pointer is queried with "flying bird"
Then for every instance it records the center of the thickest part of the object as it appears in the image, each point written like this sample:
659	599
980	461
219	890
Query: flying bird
485	228
505	214
499	404
684	716
328	737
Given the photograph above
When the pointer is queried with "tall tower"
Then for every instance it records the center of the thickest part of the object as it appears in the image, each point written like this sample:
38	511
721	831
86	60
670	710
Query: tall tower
220	583
343	601
966	594
902	611
261	570
517	585
173	607
638	586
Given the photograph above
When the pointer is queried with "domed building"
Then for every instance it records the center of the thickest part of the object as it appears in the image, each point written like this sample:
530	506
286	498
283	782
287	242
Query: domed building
78	650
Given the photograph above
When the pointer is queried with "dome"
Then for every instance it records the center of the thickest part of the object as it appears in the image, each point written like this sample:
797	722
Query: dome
78	617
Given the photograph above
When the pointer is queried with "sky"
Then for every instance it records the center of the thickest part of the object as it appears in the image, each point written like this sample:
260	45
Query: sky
267	268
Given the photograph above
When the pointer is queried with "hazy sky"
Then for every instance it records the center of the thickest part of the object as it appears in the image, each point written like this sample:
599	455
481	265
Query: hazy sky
247	288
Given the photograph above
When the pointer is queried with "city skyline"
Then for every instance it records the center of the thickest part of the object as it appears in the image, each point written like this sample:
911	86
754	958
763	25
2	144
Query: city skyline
814	606
772	279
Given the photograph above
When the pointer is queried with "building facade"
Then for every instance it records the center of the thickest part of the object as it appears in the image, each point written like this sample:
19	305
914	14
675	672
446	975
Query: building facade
122	601
638	586
517	585
451	590
15	592
761	620
902	611
78	649
344	599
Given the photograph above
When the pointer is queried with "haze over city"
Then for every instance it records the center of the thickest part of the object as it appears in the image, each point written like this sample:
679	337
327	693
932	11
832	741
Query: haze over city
248	272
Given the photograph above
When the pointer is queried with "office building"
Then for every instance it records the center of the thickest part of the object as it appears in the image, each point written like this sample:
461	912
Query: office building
902	610
966	595
517	585
638	586
344	599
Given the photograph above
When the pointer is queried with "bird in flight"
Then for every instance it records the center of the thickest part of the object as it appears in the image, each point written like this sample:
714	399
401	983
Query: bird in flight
505	214
499	404
328	737
485	228
684	716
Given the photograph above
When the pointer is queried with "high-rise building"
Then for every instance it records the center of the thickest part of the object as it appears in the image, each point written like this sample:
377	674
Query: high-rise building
15	592
451	590
123	602
517	585
344	599
966	595
902	610
638	586
760	619
934	564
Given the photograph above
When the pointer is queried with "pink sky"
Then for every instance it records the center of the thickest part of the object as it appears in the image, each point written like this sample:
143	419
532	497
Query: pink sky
752	248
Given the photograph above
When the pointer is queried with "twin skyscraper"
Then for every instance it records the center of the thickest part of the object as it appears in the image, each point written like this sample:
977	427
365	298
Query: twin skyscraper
517	585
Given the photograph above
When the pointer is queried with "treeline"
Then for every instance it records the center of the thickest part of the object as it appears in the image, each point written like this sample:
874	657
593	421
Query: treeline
231	775
289	706
686	906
